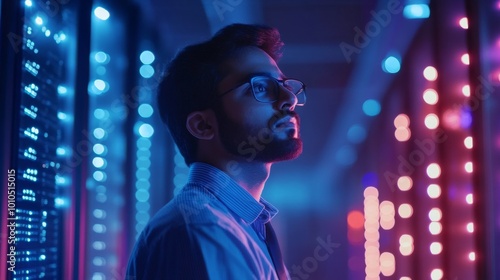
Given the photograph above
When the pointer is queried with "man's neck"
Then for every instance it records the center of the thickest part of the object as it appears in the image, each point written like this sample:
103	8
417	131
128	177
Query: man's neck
250	176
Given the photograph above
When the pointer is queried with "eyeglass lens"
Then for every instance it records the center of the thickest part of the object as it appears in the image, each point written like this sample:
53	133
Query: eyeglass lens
266	89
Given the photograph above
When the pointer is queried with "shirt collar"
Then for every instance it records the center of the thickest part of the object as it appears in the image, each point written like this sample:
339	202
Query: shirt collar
237	199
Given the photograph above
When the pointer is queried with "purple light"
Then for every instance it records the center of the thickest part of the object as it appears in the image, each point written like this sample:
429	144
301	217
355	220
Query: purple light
466	119
369	179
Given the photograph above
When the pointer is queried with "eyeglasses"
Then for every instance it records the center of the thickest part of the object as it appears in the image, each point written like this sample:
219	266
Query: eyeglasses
267	89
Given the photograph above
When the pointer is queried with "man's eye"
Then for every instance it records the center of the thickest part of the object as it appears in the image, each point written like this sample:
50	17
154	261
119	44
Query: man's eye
259	88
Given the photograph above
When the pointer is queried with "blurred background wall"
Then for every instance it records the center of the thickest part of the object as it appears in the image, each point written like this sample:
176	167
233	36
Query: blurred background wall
400	172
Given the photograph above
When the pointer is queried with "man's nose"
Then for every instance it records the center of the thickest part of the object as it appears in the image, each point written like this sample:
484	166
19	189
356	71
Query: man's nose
286	98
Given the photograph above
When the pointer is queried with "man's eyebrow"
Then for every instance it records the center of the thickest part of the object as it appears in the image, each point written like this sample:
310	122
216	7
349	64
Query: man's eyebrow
265	74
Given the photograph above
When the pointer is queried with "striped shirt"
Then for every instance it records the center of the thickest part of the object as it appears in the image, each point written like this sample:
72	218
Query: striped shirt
213	229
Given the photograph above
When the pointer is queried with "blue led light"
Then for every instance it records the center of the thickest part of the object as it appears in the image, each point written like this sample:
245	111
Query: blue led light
98	276
142	216
414	11
180	180
142	206
98	261
62	90
99	162
147	57
101	57
60	151
142	183
143	163
99	213
145	110
99	149
100	70
139	226
101	197
99	245
61	116
143	143
62	181
28	3
99	228
146	130
47	33
356	134
38	20
101	13
99	133
100	85
143	154
143	173
371	107
142	195
147	71
60	202
99	176
179	160
99	114
100	189
391	65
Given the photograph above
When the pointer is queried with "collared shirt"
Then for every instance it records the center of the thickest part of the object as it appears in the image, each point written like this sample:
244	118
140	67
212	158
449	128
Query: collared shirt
213	229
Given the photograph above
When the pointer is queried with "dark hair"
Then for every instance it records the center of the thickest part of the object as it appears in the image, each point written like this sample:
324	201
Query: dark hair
191	79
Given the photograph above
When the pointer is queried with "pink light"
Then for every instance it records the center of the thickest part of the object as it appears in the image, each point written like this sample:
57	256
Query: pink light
402	134
464	23
437	274
430	73
405	183
402	120
434	191
465	59
433	170
405	210
436	248
406	240
466	90
387	264
470	227
451	118
468	167
472	256
431	121
435	228
468	142
469	198
430	96
435	214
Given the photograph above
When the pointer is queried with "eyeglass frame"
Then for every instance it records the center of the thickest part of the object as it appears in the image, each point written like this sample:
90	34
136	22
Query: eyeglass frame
280	82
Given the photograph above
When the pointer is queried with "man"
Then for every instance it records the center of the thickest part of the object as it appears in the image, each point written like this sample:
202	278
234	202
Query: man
230	110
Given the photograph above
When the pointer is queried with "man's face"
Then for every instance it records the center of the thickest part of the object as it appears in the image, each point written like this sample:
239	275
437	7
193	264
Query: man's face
253	130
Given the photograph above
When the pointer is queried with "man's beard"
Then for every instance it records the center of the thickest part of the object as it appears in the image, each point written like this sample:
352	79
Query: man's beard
258	144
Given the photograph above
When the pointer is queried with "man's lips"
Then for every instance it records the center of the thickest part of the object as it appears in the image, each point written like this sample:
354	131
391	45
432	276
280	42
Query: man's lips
287	122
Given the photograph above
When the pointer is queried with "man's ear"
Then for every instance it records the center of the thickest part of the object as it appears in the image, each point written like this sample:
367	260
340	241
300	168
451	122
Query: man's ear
201	124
